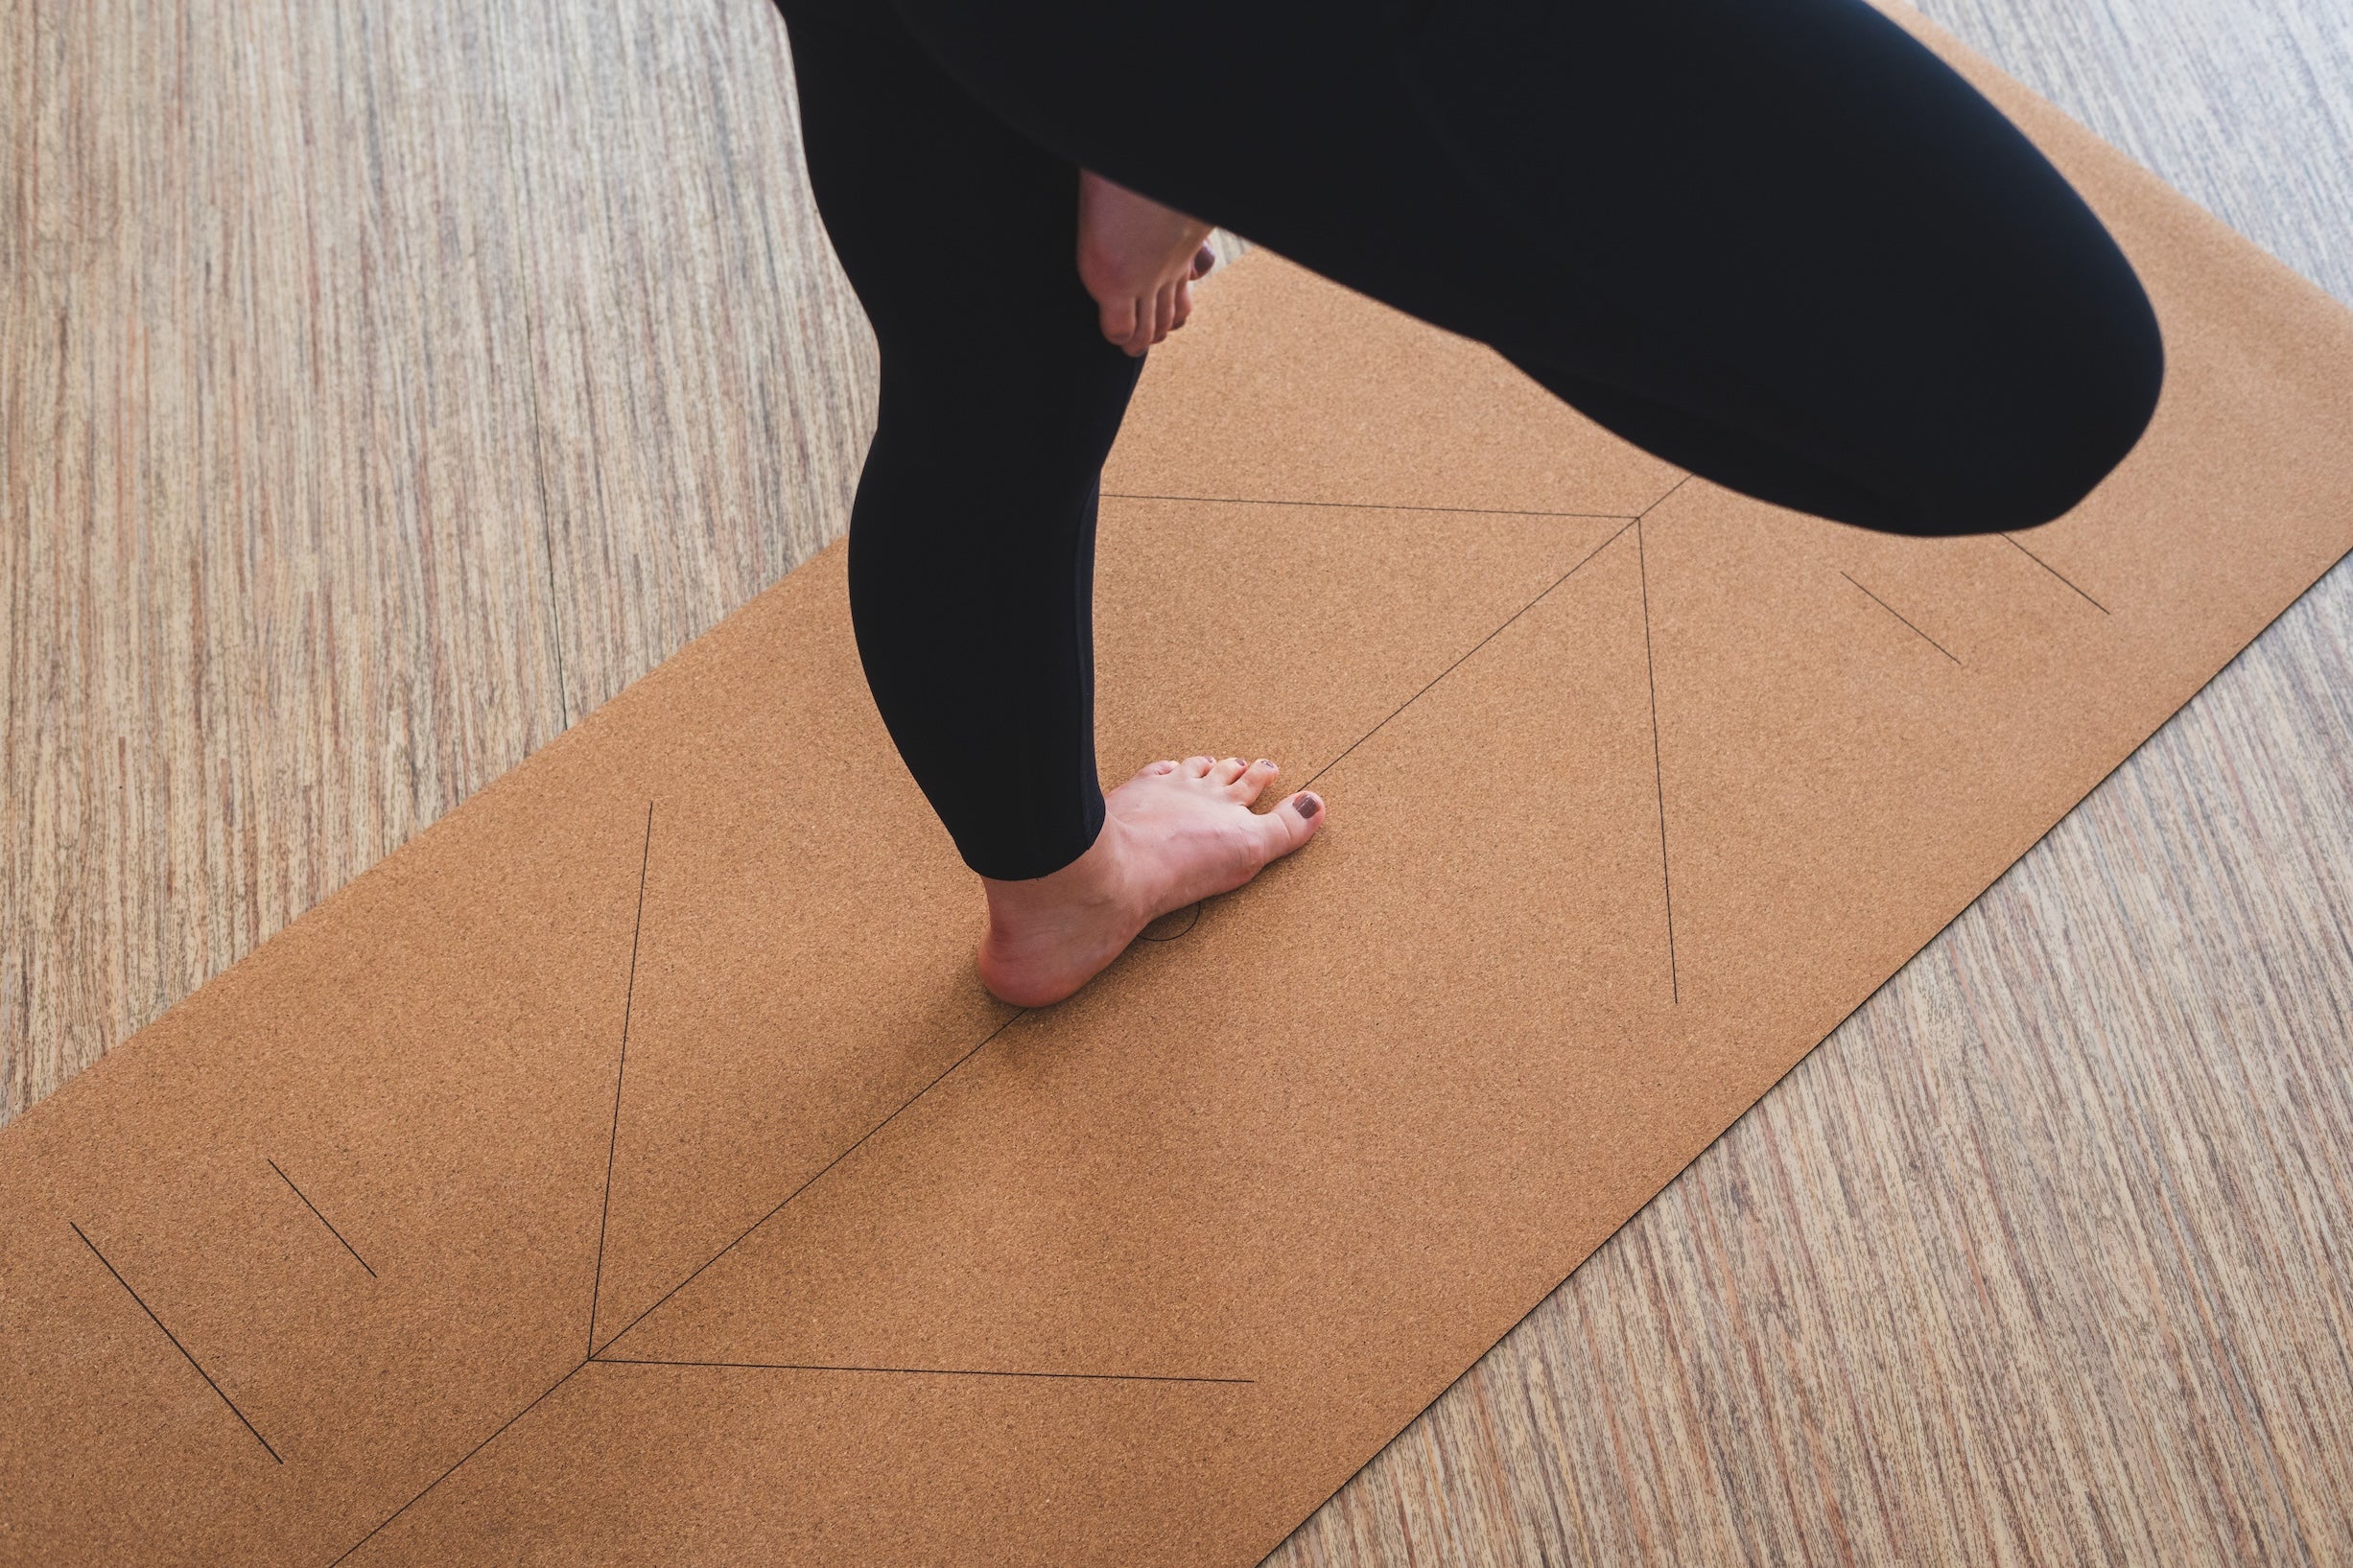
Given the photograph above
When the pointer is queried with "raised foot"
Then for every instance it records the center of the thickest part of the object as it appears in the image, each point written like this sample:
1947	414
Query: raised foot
1174	834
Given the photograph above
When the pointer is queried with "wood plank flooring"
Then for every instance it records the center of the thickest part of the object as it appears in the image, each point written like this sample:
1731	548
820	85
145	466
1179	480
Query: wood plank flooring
382	388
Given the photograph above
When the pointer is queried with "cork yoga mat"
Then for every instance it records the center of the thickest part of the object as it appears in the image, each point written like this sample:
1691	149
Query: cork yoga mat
631	1169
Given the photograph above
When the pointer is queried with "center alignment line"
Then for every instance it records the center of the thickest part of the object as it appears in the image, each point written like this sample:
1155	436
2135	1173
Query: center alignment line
1474	648
820	1175
1539	599
460	1464
612	1145
175	1345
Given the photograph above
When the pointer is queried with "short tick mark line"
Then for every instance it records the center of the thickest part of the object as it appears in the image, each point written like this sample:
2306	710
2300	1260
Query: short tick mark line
2055	573
1899	615
1367	507
1659	771
323	1219
620	1071
921	1371
175	1345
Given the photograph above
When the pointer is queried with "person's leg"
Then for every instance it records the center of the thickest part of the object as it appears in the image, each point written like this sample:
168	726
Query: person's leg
972	541
1867	294
1676	232
1774	241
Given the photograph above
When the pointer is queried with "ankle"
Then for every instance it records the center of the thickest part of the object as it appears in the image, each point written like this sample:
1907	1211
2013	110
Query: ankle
1097	880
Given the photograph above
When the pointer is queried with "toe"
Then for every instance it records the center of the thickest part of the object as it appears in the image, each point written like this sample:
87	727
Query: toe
1199	766
1255	778
1227	771
1291	824
1152	770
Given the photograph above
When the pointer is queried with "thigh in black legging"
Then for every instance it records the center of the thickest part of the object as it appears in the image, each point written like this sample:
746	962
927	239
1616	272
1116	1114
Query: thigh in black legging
1776	241
972	539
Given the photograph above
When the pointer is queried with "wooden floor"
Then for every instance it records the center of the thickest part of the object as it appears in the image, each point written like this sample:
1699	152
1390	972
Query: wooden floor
381	388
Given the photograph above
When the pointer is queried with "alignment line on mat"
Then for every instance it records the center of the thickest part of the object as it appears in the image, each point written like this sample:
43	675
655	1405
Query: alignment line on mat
2055	571
1367	507
323	1219
1474	647
918	1371
811	1181
175	1345
1659	771
460	1464
1899	615
1468	652
628	1002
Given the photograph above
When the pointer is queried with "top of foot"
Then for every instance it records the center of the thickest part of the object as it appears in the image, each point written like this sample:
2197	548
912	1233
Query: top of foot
1175	833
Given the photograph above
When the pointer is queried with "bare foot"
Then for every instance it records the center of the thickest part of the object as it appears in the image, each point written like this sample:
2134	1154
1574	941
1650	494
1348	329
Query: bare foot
1138	260
1173	834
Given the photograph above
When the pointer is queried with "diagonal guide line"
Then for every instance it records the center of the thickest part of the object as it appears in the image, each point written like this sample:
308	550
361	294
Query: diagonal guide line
1659	772
1368	506
921	1371
323	1219
813	1180
1663	495
175	1345
628	1002
1468	652
1899	615
1515	615
460	1464
2055	571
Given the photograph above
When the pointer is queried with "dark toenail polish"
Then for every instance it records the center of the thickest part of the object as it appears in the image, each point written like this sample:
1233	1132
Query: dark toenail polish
1307	806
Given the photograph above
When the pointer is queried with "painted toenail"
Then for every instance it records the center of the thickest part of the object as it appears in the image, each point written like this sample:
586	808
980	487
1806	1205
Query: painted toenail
1269	767
1306	804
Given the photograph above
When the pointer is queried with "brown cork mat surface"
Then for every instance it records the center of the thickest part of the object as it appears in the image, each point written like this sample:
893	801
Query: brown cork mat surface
632	1169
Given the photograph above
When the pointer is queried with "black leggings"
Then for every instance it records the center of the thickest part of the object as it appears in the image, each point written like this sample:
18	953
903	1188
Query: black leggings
1774	242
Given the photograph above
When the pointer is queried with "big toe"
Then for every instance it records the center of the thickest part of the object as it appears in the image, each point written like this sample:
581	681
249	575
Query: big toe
1292	823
